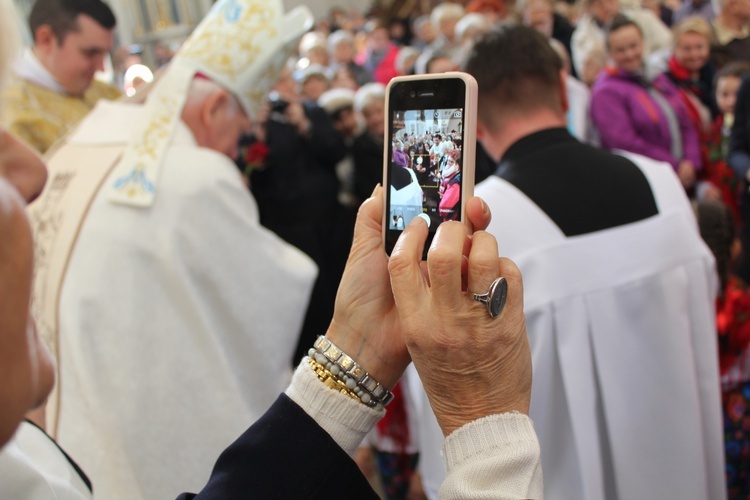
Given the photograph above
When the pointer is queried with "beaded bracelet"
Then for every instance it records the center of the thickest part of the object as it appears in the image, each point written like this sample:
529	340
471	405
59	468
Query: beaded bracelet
348	371
330	380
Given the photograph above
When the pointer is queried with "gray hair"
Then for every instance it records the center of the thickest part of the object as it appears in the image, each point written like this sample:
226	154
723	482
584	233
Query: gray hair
446	11
367	94
404	54
338	36
202	88
421	21
310	40
471	22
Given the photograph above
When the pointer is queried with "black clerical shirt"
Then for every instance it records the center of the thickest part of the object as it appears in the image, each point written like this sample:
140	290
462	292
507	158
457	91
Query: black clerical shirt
581	188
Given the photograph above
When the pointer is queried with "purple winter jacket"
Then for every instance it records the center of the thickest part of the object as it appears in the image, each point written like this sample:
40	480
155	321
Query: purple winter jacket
627	117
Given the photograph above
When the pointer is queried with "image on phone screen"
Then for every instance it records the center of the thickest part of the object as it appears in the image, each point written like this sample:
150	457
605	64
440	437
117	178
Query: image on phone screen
425	166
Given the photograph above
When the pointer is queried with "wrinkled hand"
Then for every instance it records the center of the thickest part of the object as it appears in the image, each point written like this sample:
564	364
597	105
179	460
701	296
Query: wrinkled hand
366	324
471	365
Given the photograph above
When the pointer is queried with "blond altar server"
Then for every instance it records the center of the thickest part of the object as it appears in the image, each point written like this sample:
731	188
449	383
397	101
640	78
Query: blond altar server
173	314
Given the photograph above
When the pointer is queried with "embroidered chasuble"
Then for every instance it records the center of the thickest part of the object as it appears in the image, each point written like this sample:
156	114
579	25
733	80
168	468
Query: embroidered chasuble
40	116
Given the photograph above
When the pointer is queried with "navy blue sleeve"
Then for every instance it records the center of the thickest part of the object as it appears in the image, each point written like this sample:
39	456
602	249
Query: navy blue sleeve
284	455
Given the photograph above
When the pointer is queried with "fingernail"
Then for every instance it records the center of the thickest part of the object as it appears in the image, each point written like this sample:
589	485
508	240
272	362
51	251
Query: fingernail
377	186
416	221
485	208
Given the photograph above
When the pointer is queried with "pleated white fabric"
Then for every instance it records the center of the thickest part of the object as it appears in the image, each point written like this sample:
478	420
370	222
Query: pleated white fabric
625	397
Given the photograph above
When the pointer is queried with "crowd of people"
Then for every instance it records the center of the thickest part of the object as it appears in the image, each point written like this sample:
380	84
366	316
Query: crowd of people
433	163
193	242
657	80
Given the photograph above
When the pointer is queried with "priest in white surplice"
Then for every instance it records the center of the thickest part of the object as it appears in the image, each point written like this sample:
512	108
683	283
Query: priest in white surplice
172	312
619	295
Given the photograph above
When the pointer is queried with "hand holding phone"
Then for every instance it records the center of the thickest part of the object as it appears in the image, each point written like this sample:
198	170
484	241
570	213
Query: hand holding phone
429	159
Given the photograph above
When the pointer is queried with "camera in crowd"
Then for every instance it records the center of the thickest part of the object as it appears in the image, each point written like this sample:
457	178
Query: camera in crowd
278	104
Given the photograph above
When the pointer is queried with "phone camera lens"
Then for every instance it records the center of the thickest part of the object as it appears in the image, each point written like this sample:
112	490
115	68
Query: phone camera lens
412	94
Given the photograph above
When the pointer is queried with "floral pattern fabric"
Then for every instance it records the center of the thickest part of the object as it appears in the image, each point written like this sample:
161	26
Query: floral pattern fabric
733	322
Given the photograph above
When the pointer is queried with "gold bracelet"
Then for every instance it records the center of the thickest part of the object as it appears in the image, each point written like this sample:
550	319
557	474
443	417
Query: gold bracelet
347	371
330	380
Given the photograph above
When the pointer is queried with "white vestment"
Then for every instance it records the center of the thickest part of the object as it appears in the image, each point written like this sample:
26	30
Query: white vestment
32	467
407	201
625	396
177	322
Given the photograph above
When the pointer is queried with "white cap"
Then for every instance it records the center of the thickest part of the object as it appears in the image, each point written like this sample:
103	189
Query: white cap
240	45
335	100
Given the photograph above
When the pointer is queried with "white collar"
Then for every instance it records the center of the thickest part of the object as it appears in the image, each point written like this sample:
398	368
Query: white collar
30	68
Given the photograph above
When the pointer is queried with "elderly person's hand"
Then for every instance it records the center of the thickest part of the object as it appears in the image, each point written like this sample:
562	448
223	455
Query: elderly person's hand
366	324
471	365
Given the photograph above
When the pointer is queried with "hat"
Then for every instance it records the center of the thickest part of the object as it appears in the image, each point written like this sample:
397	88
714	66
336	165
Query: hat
311	71
241	45
312	40
335	100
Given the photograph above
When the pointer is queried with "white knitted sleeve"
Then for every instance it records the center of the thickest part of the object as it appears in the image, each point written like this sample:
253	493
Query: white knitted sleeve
346	420
496	457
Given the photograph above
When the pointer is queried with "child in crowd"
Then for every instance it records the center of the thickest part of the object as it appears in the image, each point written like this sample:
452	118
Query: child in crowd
718	172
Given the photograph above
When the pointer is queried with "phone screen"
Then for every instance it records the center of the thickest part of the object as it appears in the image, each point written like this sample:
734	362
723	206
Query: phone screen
425	155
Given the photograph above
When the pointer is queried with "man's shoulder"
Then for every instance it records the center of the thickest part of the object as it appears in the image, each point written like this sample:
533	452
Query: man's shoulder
21	94
191	181
193	170
19	86
101	90
31	112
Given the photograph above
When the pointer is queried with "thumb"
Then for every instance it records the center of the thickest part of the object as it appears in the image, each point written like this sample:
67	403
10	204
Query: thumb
370	218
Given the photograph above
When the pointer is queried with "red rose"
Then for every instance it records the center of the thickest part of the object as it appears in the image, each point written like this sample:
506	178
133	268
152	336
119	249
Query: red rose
255	156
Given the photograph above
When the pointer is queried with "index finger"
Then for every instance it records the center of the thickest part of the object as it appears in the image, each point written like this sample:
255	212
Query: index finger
407	282
444	261
478	214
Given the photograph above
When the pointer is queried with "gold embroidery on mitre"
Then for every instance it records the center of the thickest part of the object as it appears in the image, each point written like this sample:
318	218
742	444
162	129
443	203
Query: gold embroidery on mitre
237	35
267	78
237	46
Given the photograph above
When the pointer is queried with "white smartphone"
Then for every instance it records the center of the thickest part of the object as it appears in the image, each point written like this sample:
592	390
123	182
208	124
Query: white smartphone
429	153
